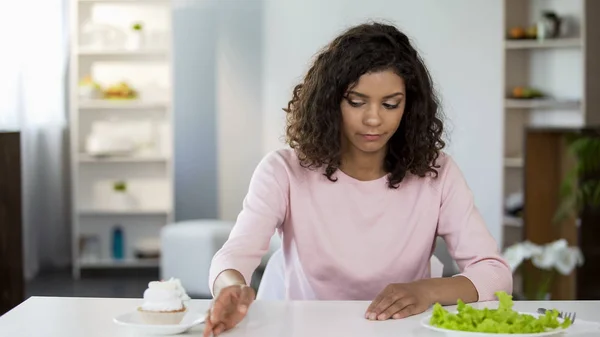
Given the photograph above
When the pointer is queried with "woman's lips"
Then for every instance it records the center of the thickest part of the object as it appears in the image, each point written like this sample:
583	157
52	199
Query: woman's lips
371	137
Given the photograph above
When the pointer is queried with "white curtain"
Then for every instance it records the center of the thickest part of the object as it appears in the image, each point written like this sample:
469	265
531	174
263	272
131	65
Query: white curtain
33	64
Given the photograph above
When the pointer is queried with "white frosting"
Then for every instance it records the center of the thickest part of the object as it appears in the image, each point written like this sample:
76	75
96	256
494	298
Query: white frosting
164	296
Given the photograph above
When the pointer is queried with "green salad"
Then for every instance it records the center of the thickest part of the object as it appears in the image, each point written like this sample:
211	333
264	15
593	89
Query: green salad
502	320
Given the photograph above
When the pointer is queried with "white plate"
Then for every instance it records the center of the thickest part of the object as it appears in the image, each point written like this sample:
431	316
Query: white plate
133	320
425	323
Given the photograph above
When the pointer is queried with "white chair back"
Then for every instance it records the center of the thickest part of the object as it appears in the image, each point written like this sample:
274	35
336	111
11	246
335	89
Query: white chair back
272	285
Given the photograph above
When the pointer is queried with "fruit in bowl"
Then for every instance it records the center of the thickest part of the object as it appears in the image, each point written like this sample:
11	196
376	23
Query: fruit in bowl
121	90
526	92
516	33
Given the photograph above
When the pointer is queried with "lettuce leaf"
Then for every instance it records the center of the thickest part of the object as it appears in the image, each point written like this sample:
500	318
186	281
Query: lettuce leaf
501	320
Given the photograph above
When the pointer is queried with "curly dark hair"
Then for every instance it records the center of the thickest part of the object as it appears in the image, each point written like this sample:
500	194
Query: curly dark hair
314	116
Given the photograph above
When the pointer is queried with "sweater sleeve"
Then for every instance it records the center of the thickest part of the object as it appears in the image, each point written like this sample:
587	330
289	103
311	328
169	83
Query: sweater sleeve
264	209
468	239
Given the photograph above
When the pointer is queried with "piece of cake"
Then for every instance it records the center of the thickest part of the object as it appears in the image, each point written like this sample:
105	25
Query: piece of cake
164	302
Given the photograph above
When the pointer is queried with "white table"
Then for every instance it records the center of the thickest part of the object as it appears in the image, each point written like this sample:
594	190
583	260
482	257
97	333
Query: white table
90	317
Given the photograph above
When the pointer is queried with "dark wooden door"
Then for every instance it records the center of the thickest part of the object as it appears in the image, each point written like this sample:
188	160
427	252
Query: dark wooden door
11	247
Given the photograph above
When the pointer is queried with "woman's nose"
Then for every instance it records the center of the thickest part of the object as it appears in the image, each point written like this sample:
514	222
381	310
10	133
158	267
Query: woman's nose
372	116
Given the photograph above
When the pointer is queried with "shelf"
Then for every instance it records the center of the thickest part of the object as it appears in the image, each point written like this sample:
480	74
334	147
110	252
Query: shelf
549	43
110	263
106	104
148	166
541	103
103	212
137	2
513	162
85	158
512	221
122	53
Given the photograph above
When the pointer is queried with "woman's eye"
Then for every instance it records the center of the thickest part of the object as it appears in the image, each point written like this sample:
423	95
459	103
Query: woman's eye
355	103
390	106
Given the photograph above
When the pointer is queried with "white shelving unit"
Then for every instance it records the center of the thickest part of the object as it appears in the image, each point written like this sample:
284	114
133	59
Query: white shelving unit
513	221
535	44
563	68
513	162
84	158
99	104
541	104
110	264
101	48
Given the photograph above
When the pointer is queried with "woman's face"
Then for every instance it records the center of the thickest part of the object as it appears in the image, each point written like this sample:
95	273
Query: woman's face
372	111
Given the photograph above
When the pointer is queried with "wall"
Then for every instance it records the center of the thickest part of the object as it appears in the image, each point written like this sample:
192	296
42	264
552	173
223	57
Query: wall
219	94
194	109
239	101
218	104
460	40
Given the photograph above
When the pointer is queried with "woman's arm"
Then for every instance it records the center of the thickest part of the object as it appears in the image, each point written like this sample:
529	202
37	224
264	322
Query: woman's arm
264	209
405	299
437	290
483	270
469	243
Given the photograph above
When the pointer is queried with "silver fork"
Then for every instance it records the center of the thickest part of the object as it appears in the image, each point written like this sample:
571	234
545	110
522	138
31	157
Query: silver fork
561	314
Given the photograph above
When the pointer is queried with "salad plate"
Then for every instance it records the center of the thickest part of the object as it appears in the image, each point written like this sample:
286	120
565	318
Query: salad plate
426	322
500	321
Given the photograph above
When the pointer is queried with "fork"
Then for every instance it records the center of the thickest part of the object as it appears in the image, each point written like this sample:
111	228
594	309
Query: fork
561	314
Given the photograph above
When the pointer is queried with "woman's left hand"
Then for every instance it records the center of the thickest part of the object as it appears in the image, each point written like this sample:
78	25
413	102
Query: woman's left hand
398	301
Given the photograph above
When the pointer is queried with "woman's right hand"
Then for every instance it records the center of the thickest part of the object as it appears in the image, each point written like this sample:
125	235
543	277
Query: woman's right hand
228	309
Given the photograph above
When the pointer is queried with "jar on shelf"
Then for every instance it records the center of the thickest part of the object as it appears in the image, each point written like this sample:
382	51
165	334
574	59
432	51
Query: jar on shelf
121	199
136	39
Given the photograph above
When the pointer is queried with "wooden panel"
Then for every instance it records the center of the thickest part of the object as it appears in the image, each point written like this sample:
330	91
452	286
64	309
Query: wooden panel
565	286
11	256
516	13
546	163
589	234
591	63
542	177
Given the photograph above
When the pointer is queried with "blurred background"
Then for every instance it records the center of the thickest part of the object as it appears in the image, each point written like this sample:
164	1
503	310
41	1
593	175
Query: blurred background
129	130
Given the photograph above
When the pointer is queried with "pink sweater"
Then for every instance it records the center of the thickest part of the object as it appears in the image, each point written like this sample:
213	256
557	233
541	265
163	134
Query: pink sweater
347	240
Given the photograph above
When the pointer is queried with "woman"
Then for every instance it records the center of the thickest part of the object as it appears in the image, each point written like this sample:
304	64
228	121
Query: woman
362	194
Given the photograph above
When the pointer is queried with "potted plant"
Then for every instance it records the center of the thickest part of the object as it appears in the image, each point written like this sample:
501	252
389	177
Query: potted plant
552	258
121	199
136	36
581	186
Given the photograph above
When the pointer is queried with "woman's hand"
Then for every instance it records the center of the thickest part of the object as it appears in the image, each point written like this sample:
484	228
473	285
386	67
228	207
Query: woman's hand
229	308
398	301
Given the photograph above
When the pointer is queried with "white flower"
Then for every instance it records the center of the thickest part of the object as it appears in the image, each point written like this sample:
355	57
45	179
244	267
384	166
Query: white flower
532	249
567	260
555	255
517	253
514	255
549	255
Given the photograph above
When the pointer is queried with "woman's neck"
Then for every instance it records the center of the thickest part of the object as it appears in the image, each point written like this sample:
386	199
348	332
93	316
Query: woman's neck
363	166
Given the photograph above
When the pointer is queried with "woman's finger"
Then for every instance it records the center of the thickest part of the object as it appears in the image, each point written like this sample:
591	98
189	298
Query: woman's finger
407	311
395	308
385	303
218	329
374	304
208	326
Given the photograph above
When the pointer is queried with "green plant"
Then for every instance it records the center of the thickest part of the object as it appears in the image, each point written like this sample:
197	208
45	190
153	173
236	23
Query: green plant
581	186
120	186
137	26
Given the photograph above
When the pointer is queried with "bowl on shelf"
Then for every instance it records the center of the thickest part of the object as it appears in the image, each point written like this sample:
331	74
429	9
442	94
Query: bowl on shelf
521	92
